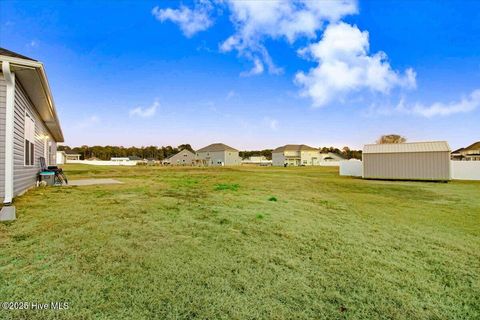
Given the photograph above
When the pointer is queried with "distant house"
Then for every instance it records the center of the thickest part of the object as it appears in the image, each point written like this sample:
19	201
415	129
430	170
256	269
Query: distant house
470	153
218	154
29	126
182	158
407	161
295	155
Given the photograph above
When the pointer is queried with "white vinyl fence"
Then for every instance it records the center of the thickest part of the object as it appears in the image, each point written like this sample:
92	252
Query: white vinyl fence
351	167
459	170
105	163
329	163
465	170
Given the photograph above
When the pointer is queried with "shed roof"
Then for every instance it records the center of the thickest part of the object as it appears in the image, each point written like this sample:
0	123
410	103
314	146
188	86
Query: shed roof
294	147
430	146
214	147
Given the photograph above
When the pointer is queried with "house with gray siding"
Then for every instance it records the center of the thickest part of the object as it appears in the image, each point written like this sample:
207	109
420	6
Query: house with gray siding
29	125
218	154
183	158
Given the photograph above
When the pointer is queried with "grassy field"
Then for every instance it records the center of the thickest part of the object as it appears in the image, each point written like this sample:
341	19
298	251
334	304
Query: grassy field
244	243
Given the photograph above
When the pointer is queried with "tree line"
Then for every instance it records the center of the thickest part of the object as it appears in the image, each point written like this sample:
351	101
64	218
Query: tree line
107	152
160	153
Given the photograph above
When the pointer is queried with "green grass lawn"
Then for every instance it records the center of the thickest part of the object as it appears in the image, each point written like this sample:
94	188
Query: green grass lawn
244	243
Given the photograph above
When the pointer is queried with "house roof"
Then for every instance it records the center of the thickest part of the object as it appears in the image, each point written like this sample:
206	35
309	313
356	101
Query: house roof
179	152
31	74
294	147
458	150
430	146
214	147
8	53
473	146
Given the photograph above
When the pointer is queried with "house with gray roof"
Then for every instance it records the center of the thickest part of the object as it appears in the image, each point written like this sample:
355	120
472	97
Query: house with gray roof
295	155
470	153
183	158
218	154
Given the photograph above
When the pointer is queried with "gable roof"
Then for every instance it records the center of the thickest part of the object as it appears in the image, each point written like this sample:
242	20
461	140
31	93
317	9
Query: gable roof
473	146
458	150
31	75
215	147
430	146
294	147
180	152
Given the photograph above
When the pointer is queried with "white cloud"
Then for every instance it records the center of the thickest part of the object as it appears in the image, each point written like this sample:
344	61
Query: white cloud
145	112
345	66
255	21
256	69
466	104
190	21
271	123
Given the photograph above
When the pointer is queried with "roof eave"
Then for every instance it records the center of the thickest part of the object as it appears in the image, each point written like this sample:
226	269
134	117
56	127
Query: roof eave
52	122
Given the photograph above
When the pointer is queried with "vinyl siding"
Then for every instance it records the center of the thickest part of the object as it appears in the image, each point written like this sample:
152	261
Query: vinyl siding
25	177
184	157
408	166
212	158
3	92
229	158
278	159
232	158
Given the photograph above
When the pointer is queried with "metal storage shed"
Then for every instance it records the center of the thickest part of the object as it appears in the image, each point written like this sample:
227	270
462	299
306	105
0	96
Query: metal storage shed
407	161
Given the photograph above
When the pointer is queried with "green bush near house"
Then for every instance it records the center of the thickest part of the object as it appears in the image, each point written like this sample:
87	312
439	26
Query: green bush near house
166	244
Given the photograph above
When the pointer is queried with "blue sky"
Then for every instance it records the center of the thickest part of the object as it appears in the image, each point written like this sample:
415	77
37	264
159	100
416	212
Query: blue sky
255	75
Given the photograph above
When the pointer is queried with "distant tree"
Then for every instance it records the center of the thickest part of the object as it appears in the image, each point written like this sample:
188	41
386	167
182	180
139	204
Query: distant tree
185	146
391	138
346	152
107	152
267	153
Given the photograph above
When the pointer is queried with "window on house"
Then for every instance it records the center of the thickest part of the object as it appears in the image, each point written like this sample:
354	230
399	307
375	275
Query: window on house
29	140
51	155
